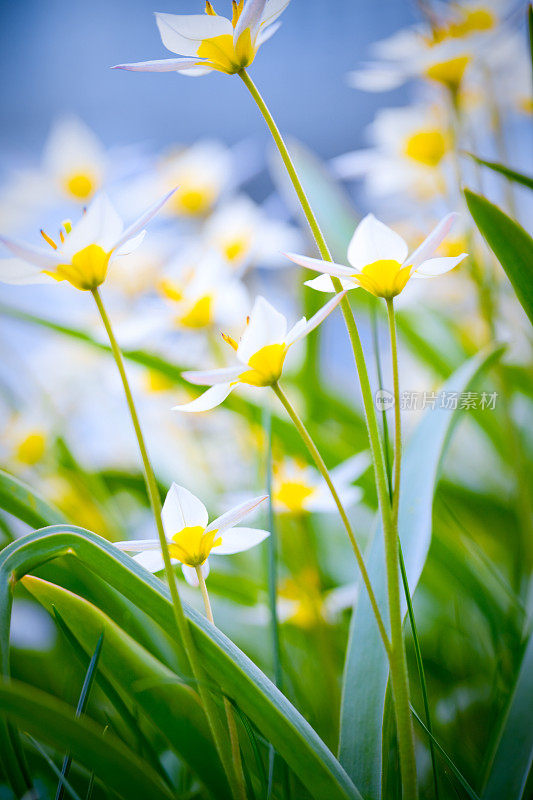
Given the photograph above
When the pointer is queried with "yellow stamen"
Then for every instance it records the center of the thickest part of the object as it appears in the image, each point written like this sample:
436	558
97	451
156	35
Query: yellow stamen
237	10
67	225
48	239
62	237
265	366
230	340
209	9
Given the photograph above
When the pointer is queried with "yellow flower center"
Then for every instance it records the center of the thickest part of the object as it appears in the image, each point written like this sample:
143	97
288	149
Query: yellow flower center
449	72
80	185
156	381
200	315
192	198
477	20
292	494
86	271
235	248
426	147
193	544
31	449
385	278
226	55
265	365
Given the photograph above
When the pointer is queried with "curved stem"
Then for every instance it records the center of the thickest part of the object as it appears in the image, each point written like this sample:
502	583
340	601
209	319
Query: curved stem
232	727
317	458
155	503
397	412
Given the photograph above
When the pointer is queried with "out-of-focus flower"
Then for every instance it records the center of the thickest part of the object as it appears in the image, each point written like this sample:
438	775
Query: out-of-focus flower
211	42
243	235
261	352
410	152
75	159
25	440
84	251
380	260
191	539
298	488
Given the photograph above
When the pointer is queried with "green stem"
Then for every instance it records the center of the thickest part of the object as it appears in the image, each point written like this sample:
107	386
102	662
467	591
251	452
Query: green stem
155	503
399	673
384	422
317	458
230	717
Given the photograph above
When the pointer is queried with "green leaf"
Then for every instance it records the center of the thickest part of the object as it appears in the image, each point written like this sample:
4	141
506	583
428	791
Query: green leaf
169	703
20	500
366	670
237	677
52	721
513	755
510	243
511	174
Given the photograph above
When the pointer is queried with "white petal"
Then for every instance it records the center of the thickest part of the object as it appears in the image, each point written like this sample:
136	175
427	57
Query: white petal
183	33
99	225
376	78
266	326
166	65
235	515
299	330
131	245
324	284
182	509
266	33
350	470
431	242
374	241
38	256
151	560
14	270
272	11
137	226
251	17
438	266
236	540
321	500
189	573
208	400
138	545
320	266
212	377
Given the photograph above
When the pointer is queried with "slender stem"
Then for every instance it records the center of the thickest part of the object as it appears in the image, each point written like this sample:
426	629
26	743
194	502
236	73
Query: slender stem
384	421
397	412
232	727
155	502
317	458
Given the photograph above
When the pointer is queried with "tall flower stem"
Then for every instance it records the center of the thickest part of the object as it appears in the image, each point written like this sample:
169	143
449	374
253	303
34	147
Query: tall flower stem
319	461
397	661
232	727
399	674
217	729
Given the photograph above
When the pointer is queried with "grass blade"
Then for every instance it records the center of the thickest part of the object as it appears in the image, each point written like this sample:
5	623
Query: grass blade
510	174
63	782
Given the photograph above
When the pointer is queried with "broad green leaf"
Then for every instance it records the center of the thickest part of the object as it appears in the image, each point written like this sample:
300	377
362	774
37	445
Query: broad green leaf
20	500
366	669
510	243
170	704
237	677
51	721
513	755
511	174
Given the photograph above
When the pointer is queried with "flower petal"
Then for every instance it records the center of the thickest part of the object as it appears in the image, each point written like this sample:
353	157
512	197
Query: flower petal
251	18
438	266
16	271
273	9
299	331
266	326
351	469
189	573
38	256
183	33
374	241
212	377
167	65
431	242
182	509
322	283
322	501
236	540
208	400
266	33
235	515
99	225
138	545
151	560
321	266
137	226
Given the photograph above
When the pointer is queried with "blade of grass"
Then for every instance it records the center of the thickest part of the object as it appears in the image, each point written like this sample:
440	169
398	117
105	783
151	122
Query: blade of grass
62	779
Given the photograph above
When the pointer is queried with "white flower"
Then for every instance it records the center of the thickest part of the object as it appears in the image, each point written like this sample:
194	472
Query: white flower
299	488
191	539
261	352
84	252
75	159
380	260
243	235
211	42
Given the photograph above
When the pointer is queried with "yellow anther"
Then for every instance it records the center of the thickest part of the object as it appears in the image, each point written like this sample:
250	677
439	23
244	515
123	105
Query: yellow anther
230	340
67	225
48	239
209	9
62	236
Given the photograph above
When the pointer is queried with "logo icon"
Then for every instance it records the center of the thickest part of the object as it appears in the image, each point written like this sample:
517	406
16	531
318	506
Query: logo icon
384	400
